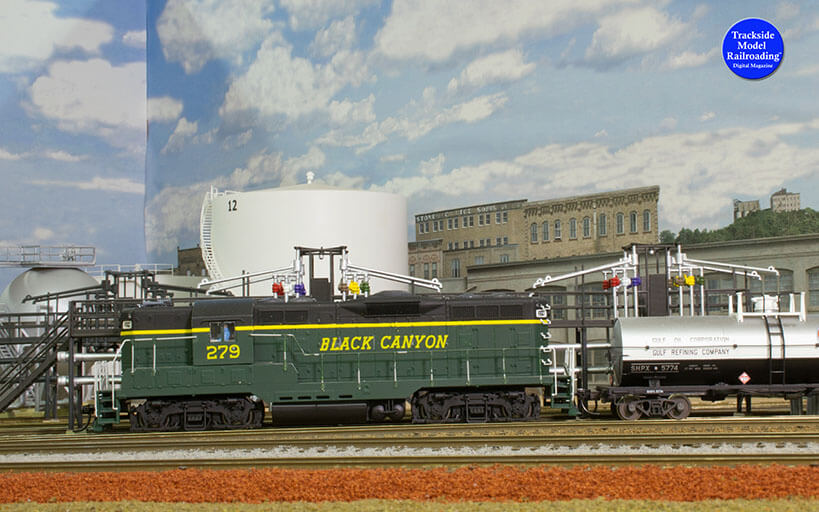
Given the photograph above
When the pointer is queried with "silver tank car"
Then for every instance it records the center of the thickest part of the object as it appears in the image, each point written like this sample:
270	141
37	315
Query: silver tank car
672	351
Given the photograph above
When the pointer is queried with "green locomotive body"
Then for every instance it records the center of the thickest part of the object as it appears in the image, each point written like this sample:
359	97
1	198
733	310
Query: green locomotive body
216	363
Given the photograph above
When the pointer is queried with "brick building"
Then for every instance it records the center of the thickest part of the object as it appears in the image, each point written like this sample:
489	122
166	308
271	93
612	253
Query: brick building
520	230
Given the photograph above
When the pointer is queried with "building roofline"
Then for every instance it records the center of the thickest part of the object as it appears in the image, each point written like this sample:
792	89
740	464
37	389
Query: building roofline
483	205
686	248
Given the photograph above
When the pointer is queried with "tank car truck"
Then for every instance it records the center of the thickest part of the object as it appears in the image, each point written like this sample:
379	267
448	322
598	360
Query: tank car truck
223	363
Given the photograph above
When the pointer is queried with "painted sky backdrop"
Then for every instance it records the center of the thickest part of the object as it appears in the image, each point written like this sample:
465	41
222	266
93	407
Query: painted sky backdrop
447	103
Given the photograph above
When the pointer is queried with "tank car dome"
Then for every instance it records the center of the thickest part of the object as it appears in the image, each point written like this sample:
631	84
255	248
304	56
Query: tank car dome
39	281
258	230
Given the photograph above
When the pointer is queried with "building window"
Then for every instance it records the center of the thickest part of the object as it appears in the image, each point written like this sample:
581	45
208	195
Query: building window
466	222
482	242
621	223
480	220
456	246
504	258
489	242
412	270
646	220
813	287
601	224
455	222
497	217
557	230
506	240
478	260
632	222
434	270
572	228
505	217
472	244
426	270
449	246
455	268
420	228
533	233
449	223
586	227
471	220
545	227
498	241
435	226
466	244
487	219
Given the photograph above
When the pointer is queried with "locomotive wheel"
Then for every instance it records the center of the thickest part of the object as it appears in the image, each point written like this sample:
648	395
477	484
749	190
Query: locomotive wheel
680	409
627	409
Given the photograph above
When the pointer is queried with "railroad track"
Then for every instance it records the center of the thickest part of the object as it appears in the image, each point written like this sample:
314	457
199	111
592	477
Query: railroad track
786	440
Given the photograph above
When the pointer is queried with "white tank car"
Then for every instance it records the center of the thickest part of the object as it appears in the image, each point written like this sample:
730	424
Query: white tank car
694	351
256	231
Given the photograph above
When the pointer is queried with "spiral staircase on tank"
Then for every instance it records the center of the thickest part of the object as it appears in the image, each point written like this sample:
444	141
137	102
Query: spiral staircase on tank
205	231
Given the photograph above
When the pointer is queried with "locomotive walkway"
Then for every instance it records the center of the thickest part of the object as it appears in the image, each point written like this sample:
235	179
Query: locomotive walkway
701	441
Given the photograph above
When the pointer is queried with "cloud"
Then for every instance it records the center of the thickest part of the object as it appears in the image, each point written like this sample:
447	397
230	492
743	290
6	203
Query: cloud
5	155
31	32
64	156
601	133
498	67
707	116
346	111
433	166
193	32
399	157
135	38
119	185
307	14
689	59
163	109
669	123
183	132
94	97
41	233
697	172
431	30
340	35
632	32
172	215
422	119
277	83
237	141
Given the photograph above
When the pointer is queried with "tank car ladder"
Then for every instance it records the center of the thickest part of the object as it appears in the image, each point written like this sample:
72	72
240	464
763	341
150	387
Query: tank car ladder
775	331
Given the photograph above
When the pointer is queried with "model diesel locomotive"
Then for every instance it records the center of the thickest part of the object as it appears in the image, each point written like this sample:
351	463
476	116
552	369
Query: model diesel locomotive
220	363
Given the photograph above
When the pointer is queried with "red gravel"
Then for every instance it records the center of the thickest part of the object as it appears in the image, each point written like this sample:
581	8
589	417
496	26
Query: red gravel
499	483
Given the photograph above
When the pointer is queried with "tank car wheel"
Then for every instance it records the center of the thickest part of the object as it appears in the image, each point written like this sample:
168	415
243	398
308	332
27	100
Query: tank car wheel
680	408
627	408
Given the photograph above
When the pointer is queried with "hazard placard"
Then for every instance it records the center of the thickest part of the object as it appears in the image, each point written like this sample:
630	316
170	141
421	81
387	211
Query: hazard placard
744	378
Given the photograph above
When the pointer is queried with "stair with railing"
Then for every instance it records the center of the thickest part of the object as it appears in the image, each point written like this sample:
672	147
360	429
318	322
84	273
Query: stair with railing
33	362
205	230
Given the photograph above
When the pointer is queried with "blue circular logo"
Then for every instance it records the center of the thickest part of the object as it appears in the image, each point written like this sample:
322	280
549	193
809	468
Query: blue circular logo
753	48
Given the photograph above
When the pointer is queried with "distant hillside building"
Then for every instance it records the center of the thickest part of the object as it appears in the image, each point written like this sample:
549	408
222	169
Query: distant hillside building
784	201
520	230
744	208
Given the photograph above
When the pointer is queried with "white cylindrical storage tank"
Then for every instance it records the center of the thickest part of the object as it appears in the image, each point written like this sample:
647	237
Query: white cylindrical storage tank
258	230
39	281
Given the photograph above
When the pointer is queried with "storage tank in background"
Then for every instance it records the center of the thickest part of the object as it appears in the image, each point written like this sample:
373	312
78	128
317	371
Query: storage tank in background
258	230
40	281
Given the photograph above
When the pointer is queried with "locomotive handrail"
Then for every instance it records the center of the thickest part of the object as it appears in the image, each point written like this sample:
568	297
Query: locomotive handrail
432	284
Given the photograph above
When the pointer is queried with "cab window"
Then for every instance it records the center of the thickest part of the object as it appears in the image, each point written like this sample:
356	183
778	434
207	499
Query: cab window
222	331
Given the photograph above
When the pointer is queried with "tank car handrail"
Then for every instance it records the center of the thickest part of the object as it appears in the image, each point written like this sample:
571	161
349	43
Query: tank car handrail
741	314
